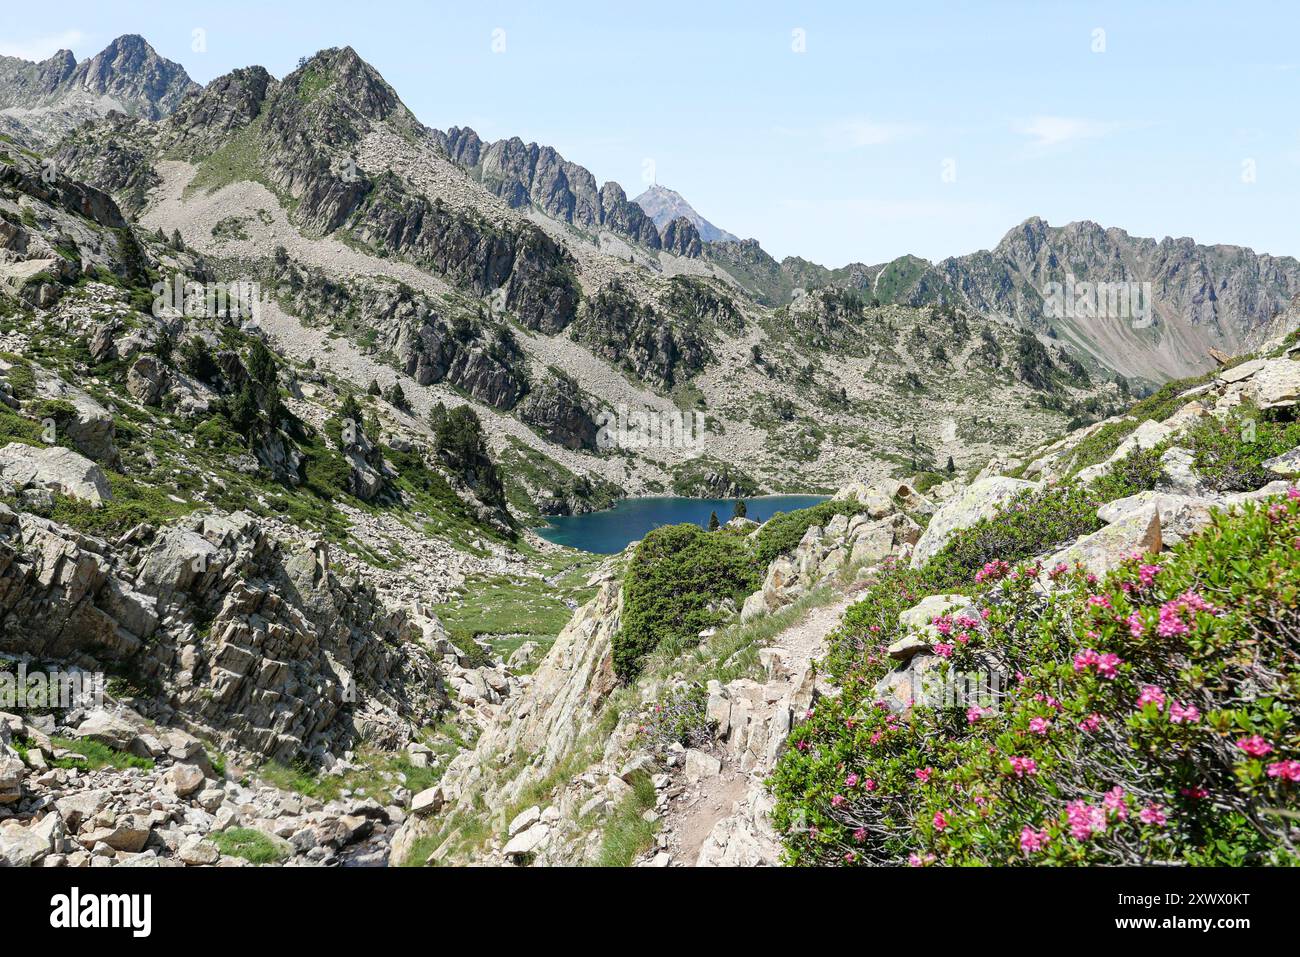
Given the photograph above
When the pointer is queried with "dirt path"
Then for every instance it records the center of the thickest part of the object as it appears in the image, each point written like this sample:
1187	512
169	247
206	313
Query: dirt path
723	820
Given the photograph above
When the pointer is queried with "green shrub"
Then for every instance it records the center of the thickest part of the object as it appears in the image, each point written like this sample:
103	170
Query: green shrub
1031	523
1139	471
1228	455
782	532
675	582
1147	718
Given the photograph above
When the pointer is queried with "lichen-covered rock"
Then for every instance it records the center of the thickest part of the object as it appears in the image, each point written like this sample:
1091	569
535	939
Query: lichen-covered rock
54	468
981	500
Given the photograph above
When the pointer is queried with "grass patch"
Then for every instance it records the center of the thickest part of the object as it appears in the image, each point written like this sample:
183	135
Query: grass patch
628	833
253	846
96	755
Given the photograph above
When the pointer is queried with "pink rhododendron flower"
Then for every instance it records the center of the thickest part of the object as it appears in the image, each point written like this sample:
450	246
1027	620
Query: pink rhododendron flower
1147	574
923	774
837	800
1115	803
1022	766
802	745
1153	814
1084	820
1180	713
942	624
1151	694
1039	725
1287	770
851	781
1108	665
992	571
966	621
1255	746
1136	626
849	857
1032	841
940	822
975	712
1090	723
1058	570
1194	792
1174	614
963	637
1100	601
1293	493
860	835
869	784
943	649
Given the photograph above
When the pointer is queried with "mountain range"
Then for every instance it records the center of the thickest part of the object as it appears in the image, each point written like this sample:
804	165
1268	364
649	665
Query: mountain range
40	102
289	380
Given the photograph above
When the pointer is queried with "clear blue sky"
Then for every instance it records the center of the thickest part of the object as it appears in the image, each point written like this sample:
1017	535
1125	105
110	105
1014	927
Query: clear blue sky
836	153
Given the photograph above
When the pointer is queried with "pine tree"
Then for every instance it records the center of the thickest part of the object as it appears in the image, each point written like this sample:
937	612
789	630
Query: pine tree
740	510
952	466
714	524
350	410
397	398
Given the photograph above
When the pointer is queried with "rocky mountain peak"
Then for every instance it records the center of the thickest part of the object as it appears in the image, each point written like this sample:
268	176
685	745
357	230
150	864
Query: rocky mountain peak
45	101
663	205
131	71
352	81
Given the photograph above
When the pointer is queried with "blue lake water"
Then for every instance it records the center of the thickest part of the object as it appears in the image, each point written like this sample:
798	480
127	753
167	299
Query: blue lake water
611	530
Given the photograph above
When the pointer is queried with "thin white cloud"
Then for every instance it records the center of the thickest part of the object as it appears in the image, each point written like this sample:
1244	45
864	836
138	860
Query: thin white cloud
1051	132
42	48
856	132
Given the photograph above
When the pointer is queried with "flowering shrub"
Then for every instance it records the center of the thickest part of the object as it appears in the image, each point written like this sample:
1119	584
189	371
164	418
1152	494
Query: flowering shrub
1150	717
1031	523
678	716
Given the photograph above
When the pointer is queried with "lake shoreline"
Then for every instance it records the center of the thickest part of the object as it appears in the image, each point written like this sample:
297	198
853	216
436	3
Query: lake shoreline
609	531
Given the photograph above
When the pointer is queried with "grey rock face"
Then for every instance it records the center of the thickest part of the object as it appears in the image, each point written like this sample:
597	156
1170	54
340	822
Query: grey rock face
526	174
615	326
294	661
555	406
681	239
54	468
1223	297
